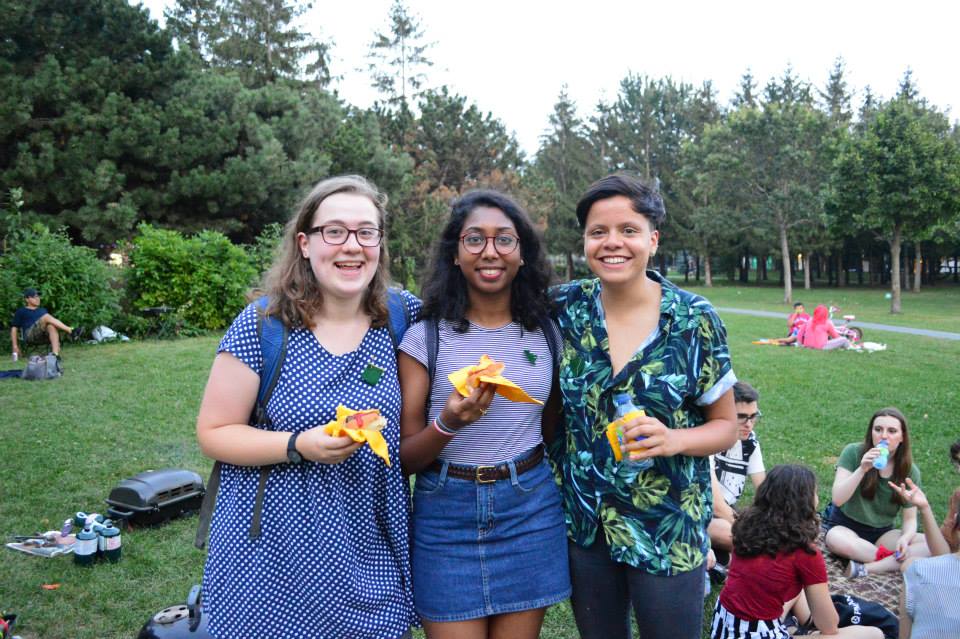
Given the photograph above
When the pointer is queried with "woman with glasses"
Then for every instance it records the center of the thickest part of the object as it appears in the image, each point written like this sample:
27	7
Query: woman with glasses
638	538
332	555
859	523
489	553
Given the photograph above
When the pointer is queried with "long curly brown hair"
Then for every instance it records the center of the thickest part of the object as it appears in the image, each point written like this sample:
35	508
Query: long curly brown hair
902	458
295	297
783	516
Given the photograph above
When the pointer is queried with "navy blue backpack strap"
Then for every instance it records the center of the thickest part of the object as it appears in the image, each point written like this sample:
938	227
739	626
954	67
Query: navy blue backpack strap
273	348
549	330
398	316
431	334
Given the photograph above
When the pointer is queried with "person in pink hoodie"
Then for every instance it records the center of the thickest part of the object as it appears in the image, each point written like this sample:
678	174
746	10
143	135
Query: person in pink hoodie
820	333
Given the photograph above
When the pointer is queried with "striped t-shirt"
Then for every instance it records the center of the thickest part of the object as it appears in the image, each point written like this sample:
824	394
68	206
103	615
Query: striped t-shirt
932	588
509	428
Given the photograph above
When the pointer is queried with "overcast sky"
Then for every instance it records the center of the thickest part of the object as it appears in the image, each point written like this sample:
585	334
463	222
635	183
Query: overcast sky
512	57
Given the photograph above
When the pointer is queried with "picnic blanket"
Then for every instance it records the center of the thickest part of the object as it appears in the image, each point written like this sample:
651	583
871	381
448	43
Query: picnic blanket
884	589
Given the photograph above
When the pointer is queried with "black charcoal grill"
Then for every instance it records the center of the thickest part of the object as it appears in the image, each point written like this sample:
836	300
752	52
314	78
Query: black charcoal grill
155	496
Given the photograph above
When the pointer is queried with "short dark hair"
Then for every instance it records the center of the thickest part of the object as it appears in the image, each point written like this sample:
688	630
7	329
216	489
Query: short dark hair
955	451
744	392
31	292
796	304
644	199
445	288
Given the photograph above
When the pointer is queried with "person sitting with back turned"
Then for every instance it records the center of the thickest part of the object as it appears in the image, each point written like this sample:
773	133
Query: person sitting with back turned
34	323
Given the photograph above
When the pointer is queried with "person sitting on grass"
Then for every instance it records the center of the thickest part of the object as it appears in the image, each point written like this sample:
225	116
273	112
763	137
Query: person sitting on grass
820	333
33	324
732	468
931	587
859	524
797	319
776	562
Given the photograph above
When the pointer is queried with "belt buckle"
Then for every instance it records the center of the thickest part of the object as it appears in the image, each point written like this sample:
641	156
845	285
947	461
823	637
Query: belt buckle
480	474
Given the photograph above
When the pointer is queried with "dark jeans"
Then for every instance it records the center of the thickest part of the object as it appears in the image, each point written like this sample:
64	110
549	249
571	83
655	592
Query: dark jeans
604	590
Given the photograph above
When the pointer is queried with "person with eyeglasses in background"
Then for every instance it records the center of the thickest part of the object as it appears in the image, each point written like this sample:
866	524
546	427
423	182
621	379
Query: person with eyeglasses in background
332	555
732	467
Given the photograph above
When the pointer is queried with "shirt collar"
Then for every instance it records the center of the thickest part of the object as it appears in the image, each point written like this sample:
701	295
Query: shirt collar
668	294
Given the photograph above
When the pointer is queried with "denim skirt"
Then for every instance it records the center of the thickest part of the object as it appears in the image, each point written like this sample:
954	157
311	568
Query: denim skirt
482	549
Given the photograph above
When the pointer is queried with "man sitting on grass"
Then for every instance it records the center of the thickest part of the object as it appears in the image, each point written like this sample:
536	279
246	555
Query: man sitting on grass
731	468
35	324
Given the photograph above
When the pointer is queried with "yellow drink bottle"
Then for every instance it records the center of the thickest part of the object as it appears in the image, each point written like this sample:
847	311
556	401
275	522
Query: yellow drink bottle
626	411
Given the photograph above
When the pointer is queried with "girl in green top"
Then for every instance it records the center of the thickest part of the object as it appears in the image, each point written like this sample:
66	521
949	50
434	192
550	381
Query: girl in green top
860	521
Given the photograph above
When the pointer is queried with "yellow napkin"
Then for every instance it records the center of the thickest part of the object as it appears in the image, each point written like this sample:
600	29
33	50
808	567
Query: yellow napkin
371	435
468	378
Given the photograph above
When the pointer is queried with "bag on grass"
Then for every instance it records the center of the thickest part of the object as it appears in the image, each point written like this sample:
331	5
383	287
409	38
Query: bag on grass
43	367
855	611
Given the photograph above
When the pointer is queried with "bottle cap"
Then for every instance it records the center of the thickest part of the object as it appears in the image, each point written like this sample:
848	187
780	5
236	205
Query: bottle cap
622	398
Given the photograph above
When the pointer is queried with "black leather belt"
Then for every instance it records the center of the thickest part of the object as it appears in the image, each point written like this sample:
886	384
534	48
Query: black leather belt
490	474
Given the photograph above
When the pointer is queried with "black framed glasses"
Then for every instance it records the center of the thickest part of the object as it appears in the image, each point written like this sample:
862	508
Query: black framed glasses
743	418
336	234
503	243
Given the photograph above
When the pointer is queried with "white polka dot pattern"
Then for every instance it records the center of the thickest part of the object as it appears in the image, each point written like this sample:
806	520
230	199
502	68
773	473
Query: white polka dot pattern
333	556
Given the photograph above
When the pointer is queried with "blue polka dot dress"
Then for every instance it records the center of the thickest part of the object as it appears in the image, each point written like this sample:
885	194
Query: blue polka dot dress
333	558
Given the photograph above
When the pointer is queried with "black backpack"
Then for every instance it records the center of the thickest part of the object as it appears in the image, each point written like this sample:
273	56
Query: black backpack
273	346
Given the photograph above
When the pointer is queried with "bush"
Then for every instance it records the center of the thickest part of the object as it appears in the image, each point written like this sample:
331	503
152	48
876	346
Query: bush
266	247
76	286
203	279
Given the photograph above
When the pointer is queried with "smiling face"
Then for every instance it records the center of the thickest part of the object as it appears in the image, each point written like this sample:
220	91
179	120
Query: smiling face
488	272
618	242
888	428
342	271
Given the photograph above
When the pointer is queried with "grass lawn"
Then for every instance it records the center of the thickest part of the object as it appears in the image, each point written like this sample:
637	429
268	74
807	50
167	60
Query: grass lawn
125	408
935	308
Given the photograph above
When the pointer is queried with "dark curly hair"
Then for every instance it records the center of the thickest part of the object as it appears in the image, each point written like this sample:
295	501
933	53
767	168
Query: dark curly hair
445	287
783	516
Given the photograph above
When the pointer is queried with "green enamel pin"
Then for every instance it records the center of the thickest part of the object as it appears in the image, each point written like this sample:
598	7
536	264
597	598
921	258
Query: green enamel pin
372	374
531	357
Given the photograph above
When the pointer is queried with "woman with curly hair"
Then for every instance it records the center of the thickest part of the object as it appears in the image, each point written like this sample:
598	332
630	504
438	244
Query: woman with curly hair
860	521
776	562
489	549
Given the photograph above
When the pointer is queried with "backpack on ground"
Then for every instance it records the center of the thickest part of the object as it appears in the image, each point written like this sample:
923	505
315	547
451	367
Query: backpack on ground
273	347
42	367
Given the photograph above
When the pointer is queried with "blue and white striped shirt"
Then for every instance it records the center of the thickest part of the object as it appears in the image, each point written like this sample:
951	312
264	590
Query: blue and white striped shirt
509	428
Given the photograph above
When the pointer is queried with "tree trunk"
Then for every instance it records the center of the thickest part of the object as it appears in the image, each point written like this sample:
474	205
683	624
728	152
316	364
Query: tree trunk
917	268
895	270
569	266
787	276
806	271
707	272
698	268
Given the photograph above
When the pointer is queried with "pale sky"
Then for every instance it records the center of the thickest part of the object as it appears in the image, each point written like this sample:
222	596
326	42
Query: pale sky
512	57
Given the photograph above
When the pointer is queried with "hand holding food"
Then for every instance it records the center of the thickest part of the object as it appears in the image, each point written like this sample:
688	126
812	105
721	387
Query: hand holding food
488	371
360	426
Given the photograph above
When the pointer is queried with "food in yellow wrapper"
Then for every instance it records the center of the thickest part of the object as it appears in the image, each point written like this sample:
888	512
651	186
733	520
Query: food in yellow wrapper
468	378
360	426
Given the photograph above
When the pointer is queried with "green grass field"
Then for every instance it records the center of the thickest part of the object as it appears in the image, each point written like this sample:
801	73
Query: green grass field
125	408
935	308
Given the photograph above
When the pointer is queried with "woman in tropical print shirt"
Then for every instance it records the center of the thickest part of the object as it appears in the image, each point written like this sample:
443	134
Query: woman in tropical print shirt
637	537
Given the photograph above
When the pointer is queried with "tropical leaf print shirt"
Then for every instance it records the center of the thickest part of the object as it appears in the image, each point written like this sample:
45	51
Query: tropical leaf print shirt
654	519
